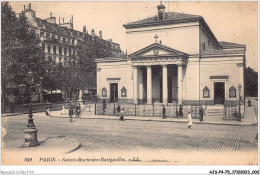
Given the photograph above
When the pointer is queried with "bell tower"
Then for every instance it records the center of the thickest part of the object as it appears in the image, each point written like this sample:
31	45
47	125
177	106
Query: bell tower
161	12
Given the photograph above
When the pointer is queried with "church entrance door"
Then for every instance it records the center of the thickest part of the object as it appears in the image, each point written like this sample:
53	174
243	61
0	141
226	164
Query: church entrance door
113	92
219	92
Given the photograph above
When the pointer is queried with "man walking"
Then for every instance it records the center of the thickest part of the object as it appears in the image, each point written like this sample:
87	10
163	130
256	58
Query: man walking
164	112
70	112
118	109
201	113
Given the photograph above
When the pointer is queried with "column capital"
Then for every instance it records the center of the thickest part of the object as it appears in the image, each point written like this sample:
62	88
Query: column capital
180	64
164	65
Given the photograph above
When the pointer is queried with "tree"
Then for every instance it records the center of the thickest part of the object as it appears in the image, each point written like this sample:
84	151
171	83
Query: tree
251	82
21	52
81	71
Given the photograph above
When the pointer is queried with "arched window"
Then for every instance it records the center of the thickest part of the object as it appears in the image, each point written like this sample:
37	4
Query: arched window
206	92
232	92
104	92
123	92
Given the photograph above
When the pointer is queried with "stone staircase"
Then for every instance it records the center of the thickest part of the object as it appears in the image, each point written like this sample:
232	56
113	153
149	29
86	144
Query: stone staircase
215	111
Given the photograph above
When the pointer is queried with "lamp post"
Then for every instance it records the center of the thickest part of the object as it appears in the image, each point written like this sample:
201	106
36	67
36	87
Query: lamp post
176	112
114	90
31	131
239	108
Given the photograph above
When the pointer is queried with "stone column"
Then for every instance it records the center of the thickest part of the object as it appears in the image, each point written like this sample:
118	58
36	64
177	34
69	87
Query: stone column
149	85
141	86
165	84
180	100
135	85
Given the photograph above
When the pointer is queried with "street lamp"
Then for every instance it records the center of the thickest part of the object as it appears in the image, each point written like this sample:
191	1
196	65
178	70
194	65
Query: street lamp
239	108
114	90
31	131
176	87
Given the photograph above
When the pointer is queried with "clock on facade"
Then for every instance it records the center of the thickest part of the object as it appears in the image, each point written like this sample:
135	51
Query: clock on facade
155	51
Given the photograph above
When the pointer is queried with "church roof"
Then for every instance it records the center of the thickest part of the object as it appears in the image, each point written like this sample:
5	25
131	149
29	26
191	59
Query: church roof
228	45
169	17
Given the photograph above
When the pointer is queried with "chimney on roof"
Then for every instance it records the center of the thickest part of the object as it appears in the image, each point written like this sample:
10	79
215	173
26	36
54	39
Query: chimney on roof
23	7
71	21
84	29
51	20
100	34
59	20
92	32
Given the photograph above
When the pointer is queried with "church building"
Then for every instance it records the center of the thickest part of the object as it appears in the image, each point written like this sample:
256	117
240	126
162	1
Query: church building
173	58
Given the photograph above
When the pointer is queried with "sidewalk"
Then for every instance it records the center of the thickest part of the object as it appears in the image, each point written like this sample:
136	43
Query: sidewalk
249	119
57	145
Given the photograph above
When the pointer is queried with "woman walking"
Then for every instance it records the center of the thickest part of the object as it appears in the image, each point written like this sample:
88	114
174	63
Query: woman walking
122	115
189	120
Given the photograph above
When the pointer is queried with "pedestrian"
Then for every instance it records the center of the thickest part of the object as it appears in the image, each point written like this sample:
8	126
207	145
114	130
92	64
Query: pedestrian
181	111
70	112
122	113
78	110
47	112
189	120
118	109
201	113
104	106
164	112
63	110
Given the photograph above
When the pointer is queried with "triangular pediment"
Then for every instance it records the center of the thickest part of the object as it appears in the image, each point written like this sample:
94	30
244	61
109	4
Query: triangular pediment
155	50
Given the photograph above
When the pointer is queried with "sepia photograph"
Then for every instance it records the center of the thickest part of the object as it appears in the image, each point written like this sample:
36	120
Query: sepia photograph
129	83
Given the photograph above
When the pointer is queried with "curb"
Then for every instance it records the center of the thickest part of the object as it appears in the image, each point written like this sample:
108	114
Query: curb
79	145
197	122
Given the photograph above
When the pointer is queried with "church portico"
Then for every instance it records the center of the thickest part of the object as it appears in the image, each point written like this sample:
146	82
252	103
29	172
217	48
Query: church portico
157	84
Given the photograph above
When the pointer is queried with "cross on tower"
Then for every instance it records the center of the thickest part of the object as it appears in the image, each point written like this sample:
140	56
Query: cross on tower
156	37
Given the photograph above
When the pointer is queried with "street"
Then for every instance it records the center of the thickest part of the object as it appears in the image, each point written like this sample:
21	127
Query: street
101	135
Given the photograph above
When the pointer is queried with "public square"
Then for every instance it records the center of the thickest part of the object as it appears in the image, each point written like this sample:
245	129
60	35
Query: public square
139	138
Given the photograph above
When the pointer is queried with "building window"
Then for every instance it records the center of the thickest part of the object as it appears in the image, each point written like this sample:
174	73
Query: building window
60	50
104	92
123	92
73	53
54	49
69	52
203	45
232	92
64	40
72	42
41	34
206	92
43	47
49	48
65	51
68	41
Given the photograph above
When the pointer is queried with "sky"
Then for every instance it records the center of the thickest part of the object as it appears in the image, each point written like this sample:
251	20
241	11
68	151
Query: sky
232	21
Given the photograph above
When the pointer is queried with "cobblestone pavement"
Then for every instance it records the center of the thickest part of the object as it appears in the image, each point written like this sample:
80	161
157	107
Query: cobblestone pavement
97	134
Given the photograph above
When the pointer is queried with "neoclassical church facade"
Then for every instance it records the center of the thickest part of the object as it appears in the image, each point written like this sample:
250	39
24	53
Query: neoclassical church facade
173	58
